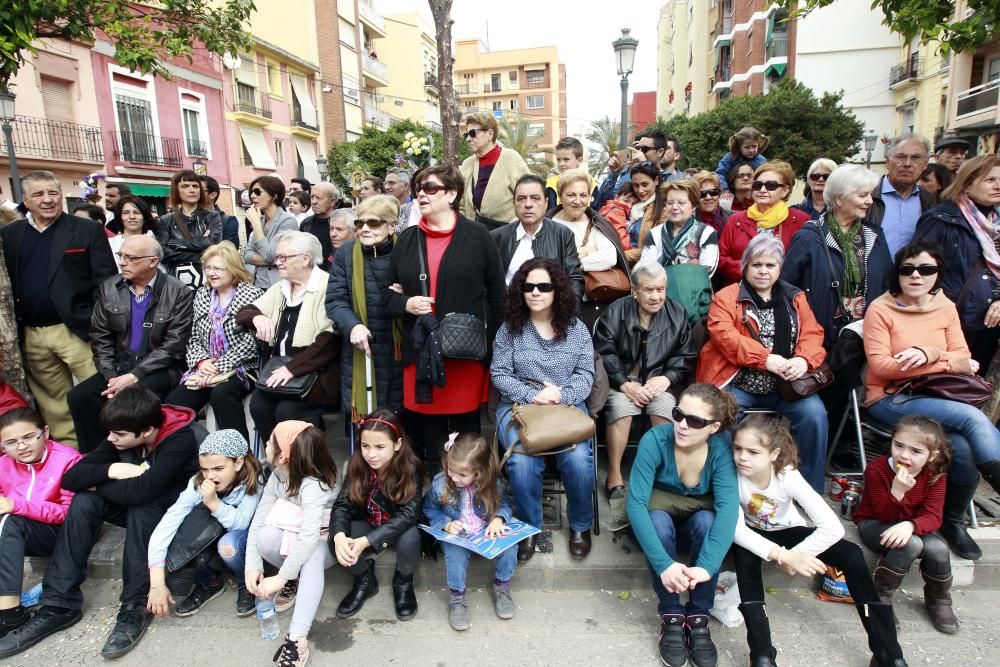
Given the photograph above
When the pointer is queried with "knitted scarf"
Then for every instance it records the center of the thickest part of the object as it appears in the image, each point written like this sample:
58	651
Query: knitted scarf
672	244
852	271
359	302
783	344
770	218
984	231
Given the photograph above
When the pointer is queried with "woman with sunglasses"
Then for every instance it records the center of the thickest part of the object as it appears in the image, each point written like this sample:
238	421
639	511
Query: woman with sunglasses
819	171
683	495
490	174
543	355
444	264
842	262
762	330
769	215
709	195
914	329
189	229
967	226
267	220
356	304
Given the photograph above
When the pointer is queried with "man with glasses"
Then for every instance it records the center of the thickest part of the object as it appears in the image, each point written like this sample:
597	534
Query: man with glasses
139	331
324	198
397	184
898	201
55	262
652	146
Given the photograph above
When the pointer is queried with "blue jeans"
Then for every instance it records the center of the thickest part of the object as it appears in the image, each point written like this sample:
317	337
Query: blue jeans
809	428
525	474
456	564
973	438
674	533
233	552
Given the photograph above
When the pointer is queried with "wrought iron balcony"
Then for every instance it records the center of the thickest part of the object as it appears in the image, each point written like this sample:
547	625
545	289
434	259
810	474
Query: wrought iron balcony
431	81
40	138
778	48
196	148
904	71
298	121
142	148
249	100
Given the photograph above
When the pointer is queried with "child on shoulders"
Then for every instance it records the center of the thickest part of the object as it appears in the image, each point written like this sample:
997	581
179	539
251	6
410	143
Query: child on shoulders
745	147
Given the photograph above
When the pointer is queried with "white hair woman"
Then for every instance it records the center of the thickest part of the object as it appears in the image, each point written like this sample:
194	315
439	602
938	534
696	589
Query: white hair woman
816	178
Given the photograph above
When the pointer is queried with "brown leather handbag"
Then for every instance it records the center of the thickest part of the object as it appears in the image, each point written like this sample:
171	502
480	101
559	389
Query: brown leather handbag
807	385
544	429
605	286
970	389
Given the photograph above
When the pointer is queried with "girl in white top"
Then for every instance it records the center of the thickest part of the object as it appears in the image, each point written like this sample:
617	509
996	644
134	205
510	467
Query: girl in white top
682	238
772	529
597	252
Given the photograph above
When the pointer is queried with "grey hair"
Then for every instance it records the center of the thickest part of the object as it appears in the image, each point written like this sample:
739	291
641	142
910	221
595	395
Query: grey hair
907	136
154	246
822	163
348	214
39	176
648	270
334	191
303	242
404	174
846	180
760	246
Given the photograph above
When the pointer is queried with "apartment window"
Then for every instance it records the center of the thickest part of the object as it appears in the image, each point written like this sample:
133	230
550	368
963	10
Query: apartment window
279	152
351	93
535	76
750	41
495	82
135	123
466	76
57	99
536	129
512	76
513	104
274	79
498	106
536	102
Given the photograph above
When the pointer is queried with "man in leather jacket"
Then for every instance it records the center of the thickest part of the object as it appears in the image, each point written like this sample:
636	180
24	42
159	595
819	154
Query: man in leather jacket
534	236
139	331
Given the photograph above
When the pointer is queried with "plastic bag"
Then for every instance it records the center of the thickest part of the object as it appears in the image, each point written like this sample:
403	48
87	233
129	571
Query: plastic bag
727	601
834	588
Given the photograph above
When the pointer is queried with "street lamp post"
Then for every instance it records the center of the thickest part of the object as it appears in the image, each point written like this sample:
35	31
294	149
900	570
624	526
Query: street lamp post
625	55
870	140
321	163
6	116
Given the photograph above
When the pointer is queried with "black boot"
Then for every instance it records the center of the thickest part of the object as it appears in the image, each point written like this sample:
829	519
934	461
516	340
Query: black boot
880	624
956	503
365	586
403	596
991	473
762	652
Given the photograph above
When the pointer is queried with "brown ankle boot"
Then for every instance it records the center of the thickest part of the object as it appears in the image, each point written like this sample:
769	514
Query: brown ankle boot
887	580
937	599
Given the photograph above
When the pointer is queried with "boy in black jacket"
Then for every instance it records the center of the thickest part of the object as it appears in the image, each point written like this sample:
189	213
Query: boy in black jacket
129	480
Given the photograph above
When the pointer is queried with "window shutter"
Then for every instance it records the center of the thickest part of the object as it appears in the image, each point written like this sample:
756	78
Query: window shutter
57	98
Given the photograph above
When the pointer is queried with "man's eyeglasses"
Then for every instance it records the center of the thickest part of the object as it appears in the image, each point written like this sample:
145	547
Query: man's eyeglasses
19	443
771	186
128	259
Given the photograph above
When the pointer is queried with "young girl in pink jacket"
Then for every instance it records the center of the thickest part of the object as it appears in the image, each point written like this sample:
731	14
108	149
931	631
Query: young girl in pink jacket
33	503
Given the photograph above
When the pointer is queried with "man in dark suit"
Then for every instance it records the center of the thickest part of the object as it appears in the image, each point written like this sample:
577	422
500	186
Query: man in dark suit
55	262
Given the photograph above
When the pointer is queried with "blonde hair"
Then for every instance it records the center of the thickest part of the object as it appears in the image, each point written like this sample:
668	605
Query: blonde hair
485	121
230	259
705	175
971	171
783	169
383	207
571	176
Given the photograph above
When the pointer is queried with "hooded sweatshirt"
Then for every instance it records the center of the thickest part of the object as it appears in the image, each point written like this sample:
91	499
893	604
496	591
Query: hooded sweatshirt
891	327
36	489
170	462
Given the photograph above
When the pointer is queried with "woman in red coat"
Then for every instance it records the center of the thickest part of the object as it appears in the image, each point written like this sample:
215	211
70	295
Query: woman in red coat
772	184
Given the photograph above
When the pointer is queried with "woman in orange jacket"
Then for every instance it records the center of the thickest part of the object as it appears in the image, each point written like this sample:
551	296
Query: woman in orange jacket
762	331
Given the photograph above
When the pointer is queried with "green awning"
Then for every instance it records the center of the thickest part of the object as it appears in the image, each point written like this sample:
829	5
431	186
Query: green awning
778	68
770	28
723	41
150	190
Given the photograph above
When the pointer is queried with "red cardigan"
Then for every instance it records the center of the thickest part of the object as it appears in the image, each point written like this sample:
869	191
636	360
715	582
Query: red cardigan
738	232
923	504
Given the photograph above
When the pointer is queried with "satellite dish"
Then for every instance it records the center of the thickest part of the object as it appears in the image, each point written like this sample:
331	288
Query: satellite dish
229	61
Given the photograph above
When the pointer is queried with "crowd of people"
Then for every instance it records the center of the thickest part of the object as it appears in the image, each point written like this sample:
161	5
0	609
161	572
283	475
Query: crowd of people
684	309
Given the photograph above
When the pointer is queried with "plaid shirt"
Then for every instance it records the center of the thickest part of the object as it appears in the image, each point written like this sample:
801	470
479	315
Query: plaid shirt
376	515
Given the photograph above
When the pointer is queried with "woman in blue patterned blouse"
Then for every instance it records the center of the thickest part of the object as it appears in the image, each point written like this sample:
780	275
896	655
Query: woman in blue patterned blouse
544	355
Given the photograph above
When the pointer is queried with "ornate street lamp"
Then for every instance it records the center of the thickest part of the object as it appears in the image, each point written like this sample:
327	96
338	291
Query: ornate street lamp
6	116
321	163
870	140
625	56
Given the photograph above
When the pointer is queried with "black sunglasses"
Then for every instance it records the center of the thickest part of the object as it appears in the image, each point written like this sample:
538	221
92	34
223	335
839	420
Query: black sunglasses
430	188
923	269
257	191
471	133
770	185
693	421
818	177
714	192
544	288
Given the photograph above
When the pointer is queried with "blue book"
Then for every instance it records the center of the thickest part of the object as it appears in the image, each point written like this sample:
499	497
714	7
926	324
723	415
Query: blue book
488	547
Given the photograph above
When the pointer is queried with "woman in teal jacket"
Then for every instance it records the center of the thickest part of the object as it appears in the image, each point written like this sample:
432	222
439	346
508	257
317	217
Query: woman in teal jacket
683	492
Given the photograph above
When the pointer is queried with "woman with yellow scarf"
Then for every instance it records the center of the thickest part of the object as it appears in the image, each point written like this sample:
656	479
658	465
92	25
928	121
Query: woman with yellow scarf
769	214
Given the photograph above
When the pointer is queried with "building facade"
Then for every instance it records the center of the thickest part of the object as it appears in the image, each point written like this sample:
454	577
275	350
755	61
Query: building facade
410	52
518	84
641	112
754	47
684	53
973	111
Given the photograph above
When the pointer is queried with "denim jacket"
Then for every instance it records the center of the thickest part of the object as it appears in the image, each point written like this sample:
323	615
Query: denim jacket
438	513
235	512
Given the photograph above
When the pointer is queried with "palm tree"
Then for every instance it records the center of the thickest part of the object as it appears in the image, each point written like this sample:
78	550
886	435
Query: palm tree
518	137
603	134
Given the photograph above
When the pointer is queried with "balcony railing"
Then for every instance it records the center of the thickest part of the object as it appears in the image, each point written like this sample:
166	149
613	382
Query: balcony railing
196	148
375	67
536	84
372	15
44	139
431	81
298	121
249	100
377	117
463	89
778	48
142	148
904	71
979	99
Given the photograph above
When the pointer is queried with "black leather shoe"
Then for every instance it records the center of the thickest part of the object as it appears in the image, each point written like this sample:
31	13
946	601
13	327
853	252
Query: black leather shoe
526	548
131	626
246	603
46	621
18	617
365	586
403	596
200	596
579	543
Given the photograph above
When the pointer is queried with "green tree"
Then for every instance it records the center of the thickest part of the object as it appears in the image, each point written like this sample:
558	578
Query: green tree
931	20
144	35
603	135
517	137
801	127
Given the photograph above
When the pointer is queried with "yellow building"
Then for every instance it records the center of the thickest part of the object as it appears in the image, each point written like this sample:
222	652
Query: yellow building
683	57
410	52
516	84
919	82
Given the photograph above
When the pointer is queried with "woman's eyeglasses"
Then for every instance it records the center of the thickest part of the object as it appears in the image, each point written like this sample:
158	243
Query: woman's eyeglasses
373	223
770	185
714	192
26	441
923	269
257	191
544	288
430	188
693	421
818	177
472	132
